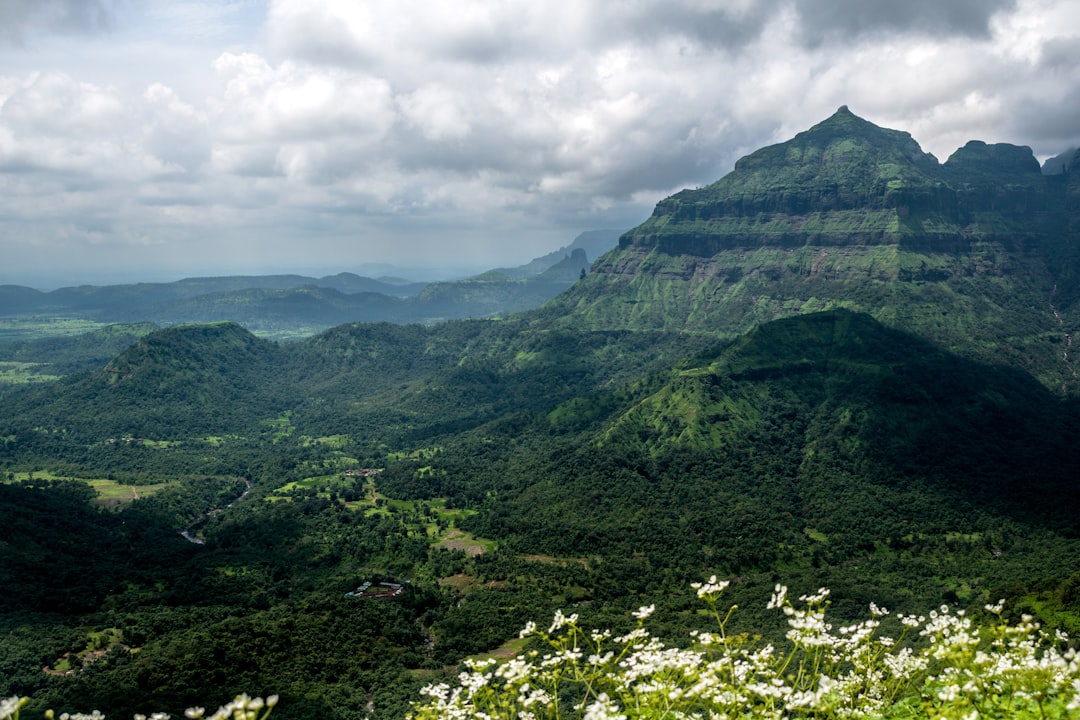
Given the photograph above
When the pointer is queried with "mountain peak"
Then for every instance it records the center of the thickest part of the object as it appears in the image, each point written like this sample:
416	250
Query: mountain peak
850	214
843	138
978	157
855	182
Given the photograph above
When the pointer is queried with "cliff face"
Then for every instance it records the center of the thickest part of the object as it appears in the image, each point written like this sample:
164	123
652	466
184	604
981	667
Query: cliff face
978	253
848	182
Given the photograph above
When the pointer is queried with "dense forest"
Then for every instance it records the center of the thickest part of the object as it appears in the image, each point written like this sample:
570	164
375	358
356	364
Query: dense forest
495	472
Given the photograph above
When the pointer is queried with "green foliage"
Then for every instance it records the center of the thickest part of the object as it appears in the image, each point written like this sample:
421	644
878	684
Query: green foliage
957	669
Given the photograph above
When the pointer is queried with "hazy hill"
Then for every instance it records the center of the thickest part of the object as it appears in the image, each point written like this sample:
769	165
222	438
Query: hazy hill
1060	163
288	306
979	253
593	243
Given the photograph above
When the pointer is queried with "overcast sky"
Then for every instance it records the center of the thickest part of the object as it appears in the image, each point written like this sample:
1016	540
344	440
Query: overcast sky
158	139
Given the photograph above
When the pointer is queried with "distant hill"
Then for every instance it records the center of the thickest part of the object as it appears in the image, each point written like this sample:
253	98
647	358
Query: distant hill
287	306
1061	163
980	253
594	243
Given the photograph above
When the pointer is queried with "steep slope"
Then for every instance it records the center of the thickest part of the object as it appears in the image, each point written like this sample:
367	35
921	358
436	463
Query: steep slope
978	253
829	421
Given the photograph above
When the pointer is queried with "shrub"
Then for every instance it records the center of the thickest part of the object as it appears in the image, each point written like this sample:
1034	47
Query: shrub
941	666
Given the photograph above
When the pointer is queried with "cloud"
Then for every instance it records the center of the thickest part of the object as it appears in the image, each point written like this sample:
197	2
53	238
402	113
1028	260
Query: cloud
839	20
174	131
19	18
381	130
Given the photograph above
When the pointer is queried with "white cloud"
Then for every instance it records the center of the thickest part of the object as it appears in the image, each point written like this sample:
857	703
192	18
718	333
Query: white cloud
358	130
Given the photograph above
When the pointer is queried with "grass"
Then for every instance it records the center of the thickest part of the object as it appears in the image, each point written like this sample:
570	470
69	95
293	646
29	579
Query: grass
21	373
110	493
508	649
455	539
37	327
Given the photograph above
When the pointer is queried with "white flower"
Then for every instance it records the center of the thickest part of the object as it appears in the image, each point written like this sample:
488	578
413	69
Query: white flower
561	620
645	611
603	709
816	598
778	597
10	706
713	587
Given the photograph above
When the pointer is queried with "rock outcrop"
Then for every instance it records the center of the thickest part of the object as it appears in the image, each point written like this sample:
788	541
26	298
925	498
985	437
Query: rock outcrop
978	254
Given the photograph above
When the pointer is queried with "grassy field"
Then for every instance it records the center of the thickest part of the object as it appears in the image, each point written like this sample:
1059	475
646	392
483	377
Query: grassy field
20	373
110	493
38	327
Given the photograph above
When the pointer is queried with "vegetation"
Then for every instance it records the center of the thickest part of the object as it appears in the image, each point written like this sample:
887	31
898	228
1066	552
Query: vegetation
958	670
195	512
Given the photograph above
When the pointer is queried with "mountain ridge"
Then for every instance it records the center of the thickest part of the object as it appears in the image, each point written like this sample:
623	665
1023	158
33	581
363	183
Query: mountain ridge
980	254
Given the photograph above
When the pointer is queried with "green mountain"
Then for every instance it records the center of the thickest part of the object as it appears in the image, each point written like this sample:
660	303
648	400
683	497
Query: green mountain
186	381
979	254
830	421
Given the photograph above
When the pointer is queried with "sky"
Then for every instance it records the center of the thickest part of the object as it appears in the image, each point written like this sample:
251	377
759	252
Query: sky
150	140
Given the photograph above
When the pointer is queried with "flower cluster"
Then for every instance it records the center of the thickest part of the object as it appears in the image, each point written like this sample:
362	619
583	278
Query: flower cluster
940	666
242	707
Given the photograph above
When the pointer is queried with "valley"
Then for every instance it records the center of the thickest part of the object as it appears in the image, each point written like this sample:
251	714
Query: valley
844	365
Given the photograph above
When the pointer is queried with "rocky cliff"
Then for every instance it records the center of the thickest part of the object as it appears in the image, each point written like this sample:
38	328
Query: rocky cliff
978	253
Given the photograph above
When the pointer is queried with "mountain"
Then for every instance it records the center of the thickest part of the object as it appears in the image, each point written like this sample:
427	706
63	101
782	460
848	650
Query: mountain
1061	163
183	381
593	243
291	306
980	254
829	420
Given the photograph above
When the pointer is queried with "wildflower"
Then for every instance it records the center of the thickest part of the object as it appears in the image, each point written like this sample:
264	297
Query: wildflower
817	598
713	587
603	709
778	597
9	707
561	620
644	611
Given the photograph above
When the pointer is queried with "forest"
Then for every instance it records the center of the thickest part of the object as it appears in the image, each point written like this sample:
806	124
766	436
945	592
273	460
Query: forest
195	516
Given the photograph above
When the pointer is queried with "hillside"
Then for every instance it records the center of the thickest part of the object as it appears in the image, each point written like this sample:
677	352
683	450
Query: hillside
978	253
